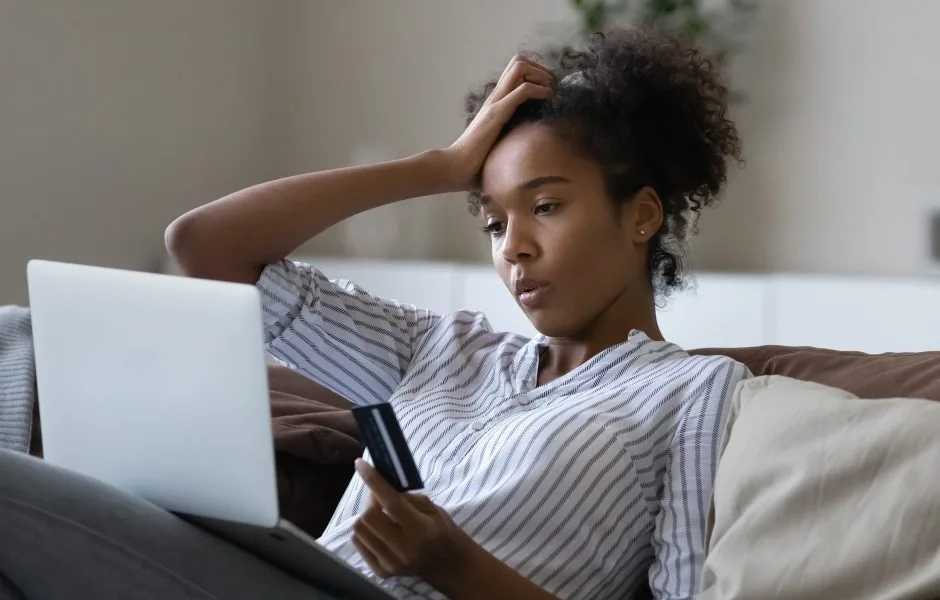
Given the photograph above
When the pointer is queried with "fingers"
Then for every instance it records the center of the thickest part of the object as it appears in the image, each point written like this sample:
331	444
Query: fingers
422	503
390	499
483	132
519	71
375	554
522	80
381	536
380	524
532	63
370	558
526	91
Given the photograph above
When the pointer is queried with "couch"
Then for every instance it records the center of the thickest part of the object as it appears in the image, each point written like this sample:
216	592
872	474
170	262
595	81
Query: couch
763	505
826	486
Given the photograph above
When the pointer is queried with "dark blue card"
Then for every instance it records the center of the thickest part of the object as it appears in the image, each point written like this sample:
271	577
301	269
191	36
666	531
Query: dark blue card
386	443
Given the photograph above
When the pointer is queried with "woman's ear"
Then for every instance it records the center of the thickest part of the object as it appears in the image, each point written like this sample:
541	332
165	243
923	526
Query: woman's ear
644	216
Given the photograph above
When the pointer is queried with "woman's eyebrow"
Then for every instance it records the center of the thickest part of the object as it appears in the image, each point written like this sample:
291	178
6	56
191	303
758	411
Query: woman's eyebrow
531	185
540	181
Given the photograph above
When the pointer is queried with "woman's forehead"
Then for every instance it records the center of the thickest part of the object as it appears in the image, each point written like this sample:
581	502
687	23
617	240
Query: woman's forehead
527	153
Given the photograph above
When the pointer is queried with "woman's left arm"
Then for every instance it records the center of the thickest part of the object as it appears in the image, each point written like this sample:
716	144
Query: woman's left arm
679	536
407	534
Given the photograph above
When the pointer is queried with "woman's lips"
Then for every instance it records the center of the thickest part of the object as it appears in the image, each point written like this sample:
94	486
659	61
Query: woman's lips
534	297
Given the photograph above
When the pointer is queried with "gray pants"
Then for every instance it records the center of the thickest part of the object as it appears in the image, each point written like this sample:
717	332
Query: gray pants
64	536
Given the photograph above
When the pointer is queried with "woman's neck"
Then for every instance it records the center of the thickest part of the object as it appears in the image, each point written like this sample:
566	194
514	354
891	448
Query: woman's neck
610	328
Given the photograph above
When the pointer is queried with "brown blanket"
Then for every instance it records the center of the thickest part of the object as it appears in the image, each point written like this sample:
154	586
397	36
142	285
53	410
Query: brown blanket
316	442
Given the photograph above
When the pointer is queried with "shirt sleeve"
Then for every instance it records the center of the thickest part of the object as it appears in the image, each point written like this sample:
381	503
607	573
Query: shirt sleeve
336	333
679	535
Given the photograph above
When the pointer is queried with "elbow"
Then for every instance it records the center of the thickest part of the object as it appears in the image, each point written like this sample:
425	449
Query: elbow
200	250
173	238
187	246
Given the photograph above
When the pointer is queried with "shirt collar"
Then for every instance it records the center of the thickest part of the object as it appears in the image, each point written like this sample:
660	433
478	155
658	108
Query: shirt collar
526	361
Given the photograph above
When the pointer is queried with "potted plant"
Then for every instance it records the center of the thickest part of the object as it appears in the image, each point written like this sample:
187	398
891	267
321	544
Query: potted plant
718	27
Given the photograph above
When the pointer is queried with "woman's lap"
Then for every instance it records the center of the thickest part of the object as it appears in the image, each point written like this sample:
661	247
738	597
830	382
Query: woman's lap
67	536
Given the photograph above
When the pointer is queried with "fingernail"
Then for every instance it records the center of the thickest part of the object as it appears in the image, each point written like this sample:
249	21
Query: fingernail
360	465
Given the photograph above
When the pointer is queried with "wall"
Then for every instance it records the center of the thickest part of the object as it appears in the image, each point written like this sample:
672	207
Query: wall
841	138
391	77
117	116
839	131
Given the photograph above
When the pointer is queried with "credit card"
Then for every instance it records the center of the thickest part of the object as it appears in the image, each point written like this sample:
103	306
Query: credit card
386	443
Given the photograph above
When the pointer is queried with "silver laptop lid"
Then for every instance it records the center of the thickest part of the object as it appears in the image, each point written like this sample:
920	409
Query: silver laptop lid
156	385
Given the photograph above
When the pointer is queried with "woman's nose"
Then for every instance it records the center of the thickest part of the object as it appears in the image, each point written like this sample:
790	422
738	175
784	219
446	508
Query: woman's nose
518	243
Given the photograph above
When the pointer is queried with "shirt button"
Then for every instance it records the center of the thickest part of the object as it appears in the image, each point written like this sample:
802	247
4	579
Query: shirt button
477	426
522	399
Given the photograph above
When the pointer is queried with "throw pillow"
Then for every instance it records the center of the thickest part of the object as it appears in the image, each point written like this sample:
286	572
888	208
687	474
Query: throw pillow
820	494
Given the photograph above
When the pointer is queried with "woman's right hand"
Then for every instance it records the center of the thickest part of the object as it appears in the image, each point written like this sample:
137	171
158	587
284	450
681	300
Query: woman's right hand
522	80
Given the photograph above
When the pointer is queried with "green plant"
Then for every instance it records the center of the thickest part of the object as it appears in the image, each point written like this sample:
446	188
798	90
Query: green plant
717	29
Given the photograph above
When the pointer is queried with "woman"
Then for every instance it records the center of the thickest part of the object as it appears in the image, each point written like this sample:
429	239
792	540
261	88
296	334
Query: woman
581	459
577	464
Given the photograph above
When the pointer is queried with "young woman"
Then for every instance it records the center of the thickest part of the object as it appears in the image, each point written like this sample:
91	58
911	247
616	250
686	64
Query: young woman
577	464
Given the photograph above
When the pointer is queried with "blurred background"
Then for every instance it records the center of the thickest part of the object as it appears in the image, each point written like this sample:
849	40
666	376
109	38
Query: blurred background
118	115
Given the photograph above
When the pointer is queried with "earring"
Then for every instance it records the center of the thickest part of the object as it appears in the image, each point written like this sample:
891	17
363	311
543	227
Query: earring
642	232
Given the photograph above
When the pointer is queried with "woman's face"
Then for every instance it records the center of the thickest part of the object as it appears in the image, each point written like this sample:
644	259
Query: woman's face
564	250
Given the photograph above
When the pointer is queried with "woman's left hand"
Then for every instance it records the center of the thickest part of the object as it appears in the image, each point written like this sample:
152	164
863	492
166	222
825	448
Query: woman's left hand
406	534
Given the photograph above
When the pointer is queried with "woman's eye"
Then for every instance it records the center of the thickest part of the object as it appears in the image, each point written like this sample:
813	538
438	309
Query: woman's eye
545	208
493	228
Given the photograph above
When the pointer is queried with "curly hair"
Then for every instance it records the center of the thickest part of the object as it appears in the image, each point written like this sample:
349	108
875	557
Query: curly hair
650	111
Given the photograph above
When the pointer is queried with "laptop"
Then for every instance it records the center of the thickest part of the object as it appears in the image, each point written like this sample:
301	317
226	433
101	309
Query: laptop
157	385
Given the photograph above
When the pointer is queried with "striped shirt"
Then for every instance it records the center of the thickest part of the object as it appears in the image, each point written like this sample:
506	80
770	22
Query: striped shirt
585	485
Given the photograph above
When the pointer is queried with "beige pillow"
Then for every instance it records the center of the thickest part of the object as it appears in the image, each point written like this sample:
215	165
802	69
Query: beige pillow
820	494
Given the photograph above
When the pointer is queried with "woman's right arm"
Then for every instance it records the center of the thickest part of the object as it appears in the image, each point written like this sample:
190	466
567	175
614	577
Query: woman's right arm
233	238
341	336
